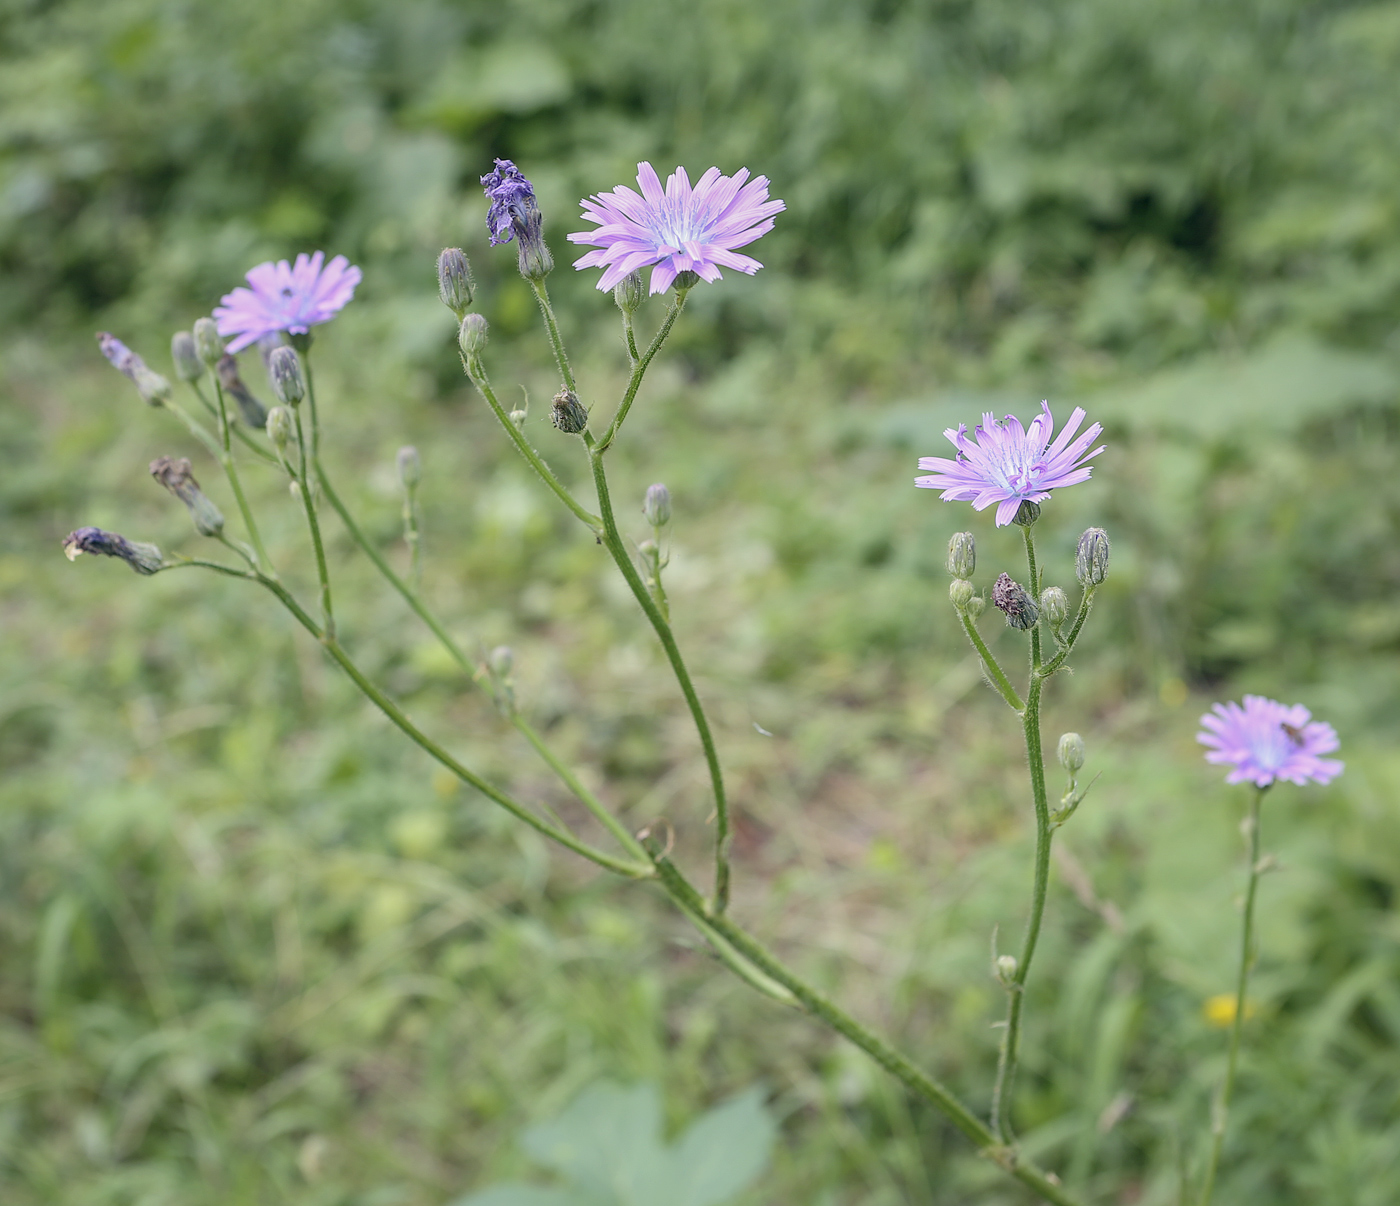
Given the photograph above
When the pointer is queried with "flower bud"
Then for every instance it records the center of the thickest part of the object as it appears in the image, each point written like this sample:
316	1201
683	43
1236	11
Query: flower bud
1018	607
1054	606
410	467
567	413
1091	558
143	558
284	367
254	413
455	284
501	661
685	281
175	476
1006	969
280	427
518	417
188	365
629	293
1026	514
154	388
657	506
207	342
472	336
1071	751
962	555
960	593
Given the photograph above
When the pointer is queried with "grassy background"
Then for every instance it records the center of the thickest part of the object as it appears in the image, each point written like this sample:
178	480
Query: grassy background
255	950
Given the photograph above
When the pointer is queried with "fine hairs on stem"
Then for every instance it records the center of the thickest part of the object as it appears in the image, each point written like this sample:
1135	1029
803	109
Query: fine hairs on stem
1004	463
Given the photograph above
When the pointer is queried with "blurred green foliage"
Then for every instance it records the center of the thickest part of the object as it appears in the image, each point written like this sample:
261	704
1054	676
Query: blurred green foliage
252	950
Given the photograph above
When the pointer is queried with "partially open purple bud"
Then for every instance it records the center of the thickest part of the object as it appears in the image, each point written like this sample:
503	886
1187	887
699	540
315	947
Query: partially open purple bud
154	388
254	412
515	214
143	558
176	476
1012	600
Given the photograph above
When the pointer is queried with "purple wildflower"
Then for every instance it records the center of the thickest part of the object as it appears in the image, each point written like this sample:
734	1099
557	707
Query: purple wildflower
681	230
119	356
1266	740
512	200
286	297
1008	464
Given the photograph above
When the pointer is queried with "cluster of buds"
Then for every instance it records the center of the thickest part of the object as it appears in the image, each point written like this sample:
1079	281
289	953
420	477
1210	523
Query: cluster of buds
962	563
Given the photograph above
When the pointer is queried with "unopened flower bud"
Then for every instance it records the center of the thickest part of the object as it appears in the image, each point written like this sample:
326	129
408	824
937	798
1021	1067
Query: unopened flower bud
976	606
1026	514
1091	558
207	342
175	475
960	593
1071	752
143	558
501	661
254	412
518	417
567	413
1054	606
629	293
472	336
962	555
657	506
1012	600
284	367
410	467
685	281
455	284
154	388
188	365
1006	969
280	427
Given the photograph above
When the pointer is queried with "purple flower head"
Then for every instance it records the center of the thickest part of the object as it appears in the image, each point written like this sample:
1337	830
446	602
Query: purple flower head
1008	464
513	208
680	230
286	297
121	357
143	558
1266	740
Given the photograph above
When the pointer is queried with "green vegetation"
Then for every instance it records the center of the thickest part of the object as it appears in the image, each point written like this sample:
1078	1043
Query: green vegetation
253	950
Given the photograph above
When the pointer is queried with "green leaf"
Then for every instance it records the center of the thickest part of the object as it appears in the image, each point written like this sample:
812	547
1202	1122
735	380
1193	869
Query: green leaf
525	1195
607	1141
722	1153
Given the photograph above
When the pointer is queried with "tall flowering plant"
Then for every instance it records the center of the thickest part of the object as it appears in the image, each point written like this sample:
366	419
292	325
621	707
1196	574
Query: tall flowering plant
684	234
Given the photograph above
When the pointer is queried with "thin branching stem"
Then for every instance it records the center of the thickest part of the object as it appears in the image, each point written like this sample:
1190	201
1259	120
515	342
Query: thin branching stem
994	671
313	524
551	324
1221	1111
639	366
236	485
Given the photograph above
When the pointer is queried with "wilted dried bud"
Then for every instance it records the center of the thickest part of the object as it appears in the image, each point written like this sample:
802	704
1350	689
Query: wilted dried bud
254	412
960	593
175	476
502	661
567	413
455	284
472	336
188	365
514	214
410	467
207	342
143	558
1054	606
1026	514
962	555
1091	558
657	506
284	367
629	293
1071	752
280	427
1018	607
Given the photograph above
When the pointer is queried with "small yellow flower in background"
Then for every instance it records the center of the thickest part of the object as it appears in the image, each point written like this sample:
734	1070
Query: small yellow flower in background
1220	1010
